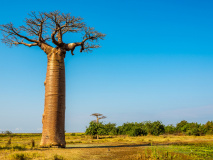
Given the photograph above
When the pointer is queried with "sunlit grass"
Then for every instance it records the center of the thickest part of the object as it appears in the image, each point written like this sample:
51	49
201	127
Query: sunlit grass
80	146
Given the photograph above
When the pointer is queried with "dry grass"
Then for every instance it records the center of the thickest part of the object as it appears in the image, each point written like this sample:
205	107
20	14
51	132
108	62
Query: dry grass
81	147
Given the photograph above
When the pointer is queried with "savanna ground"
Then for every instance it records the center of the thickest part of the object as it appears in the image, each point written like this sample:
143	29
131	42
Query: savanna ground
79	147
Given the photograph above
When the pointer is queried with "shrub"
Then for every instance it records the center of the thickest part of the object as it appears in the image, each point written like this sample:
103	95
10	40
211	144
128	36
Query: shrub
194	129
58	157
101	129
132	129
154	128
72	134
19	147
19	156
157	128
125	128
110	129
182	126
170	129
137	131
92	129
208	127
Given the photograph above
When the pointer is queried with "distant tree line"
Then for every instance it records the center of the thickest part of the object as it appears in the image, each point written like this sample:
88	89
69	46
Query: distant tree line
6	132
150	128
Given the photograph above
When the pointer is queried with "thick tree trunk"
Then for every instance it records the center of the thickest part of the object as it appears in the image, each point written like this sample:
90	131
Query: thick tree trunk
54	109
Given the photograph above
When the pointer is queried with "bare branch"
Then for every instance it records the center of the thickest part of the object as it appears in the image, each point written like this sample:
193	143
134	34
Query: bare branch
86	44
35	27
88	47
10	30
63	23
39	25
53	38
12	34
103	117
26	44
53	16
91	34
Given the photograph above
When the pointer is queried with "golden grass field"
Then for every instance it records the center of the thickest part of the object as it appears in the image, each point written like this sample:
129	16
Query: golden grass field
81	147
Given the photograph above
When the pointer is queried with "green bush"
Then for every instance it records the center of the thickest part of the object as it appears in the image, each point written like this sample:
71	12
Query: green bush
208	127
96	129
152	128
125	128
195	129
72	134
182	126
132	129
110	129
19	156
170	129
137	131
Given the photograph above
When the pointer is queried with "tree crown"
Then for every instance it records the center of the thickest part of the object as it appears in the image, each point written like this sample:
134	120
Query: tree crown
42	27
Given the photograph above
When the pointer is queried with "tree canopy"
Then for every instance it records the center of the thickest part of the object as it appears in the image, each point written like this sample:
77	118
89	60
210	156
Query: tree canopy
42	27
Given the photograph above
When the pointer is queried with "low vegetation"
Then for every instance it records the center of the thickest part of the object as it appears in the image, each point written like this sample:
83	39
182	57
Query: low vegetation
140	141
119	147
150	128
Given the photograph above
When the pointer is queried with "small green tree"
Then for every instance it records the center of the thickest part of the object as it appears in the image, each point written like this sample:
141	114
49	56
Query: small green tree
157	128
132	129
95	129
154	128
101	129
137	131
182	126
111	129
194	129
208	127
169	129
125	128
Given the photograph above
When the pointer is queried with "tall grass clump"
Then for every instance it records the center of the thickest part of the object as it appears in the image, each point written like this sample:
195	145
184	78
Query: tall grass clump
24	156
18	147
18	156
58	157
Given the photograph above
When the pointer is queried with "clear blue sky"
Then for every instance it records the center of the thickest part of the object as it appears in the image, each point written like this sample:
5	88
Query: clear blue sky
156	63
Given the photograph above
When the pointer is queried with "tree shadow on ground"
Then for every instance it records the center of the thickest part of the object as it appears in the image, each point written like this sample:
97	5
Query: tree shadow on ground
124	145
116	146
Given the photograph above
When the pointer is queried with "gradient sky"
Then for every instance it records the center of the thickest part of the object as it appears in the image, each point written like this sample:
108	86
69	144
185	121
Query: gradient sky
156	63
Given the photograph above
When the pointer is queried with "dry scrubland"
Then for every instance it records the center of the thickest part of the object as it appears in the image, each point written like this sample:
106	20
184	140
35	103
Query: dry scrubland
81	147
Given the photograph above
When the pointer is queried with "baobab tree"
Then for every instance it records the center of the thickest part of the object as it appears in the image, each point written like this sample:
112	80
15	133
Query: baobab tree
39	29
98	117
